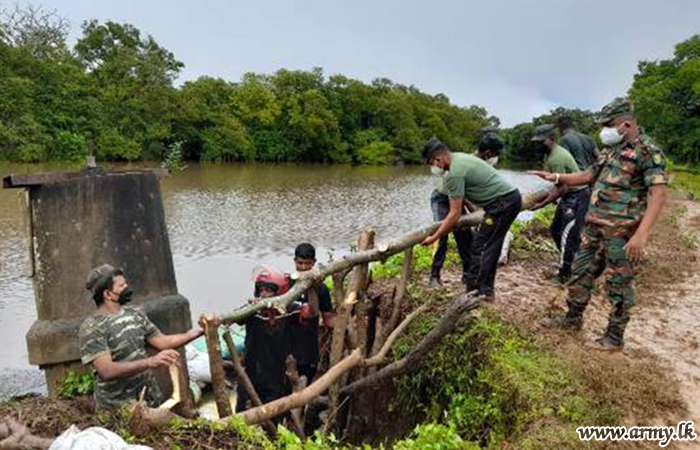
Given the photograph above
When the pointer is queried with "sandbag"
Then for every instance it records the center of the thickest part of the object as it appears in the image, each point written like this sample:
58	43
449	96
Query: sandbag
94	438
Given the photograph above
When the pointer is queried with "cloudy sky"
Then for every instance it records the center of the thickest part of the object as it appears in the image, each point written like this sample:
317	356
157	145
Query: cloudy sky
518	58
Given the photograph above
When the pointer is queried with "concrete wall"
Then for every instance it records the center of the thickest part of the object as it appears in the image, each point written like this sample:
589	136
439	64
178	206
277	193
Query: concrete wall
79	223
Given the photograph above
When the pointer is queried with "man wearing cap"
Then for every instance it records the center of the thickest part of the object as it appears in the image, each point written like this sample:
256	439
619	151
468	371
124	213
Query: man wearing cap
472	179
114	341
629	190
573	201
490	146
582	147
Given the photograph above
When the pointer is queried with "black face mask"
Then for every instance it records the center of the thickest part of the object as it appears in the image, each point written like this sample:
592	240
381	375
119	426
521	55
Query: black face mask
125	296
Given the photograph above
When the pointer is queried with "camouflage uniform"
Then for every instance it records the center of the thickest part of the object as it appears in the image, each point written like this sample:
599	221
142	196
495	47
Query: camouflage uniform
622	177
123	336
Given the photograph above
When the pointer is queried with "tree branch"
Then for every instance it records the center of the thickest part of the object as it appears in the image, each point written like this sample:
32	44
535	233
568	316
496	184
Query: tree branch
382	250
299	399
381	355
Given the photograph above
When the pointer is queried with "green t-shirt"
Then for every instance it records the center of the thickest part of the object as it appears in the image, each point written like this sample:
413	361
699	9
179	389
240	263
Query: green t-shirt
123	336
560	160
473	179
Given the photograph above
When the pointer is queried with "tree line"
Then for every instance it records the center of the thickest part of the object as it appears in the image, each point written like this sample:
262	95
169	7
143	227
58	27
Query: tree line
113	94
666	97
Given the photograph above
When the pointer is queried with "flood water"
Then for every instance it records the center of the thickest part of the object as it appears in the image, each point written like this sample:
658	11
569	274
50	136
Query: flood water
224	219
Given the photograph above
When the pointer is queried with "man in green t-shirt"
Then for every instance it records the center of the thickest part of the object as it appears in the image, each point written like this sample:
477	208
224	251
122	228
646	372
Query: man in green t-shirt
573	201
113	340
472	179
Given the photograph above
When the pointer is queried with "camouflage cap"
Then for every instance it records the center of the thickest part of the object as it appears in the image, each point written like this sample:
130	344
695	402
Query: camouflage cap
620	107
542	132
99	275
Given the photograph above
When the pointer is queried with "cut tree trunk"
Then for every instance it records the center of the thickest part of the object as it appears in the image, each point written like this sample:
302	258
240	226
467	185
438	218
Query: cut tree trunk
216	366
340	322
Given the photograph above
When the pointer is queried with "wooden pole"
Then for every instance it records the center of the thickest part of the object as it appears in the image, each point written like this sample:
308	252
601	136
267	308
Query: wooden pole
216	366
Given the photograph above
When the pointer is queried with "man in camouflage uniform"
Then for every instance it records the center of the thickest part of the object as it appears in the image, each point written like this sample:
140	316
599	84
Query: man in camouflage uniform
114	341
629	190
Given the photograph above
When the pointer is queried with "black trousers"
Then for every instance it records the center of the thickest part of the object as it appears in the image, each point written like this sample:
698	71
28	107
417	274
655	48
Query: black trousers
440	204
486	247
567	226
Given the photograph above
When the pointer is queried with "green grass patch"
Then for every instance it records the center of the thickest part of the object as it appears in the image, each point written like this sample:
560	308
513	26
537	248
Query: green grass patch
491	385
685	179
422	260
532	236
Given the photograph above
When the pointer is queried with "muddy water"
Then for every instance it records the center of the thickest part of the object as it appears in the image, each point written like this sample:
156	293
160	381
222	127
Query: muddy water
222	220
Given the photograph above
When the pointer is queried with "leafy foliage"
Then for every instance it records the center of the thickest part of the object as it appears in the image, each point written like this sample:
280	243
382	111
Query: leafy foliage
113	94
75	384
666	95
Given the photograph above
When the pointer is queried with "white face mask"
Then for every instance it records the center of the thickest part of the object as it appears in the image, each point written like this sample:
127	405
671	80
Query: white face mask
492	161
437	171
610	136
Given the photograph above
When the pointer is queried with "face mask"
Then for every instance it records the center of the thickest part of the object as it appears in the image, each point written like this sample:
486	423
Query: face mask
437	171
492	161
610	136
125	296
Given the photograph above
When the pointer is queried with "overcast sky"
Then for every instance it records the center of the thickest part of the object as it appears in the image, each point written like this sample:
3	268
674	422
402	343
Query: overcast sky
517	58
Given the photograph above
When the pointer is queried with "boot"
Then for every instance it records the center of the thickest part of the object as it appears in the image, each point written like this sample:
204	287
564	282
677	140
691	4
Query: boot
573	320
613	340
435	282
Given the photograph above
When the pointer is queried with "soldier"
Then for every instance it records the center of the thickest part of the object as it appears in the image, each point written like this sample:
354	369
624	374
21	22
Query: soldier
114	341
629	190
573	201
470	178
582	147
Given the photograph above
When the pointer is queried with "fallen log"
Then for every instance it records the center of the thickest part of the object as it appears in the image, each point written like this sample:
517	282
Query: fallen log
381	251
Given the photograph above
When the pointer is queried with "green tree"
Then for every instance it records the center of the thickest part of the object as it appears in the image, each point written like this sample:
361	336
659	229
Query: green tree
134	77
666	95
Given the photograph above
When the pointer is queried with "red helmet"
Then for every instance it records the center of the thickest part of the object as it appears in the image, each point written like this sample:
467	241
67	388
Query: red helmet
271	278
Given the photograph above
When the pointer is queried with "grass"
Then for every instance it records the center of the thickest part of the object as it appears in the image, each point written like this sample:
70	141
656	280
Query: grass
494	386
685	179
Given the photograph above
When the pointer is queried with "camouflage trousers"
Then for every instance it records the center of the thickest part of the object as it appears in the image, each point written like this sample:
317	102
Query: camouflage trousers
602	248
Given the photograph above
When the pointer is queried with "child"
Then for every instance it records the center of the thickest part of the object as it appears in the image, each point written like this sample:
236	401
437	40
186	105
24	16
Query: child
313	303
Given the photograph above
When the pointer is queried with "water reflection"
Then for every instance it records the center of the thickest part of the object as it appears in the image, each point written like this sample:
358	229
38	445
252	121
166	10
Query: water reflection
222	220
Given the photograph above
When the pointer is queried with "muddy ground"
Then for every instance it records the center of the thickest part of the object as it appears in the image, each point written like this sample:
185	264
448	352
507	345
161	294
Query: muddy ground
657	376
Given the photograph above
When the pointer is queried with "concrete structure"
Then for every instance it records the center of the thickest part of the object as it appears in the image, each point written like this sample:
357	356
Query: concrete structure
80	220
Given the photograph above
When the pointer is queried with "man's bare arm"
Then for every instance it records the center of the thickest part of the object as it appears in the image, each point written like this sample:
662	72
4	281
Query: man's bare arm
110	370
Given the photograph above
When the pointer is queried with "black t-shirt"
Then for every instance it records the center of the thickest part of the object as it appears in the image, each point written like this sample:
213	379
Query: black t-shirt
267	345
580	146
304	332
